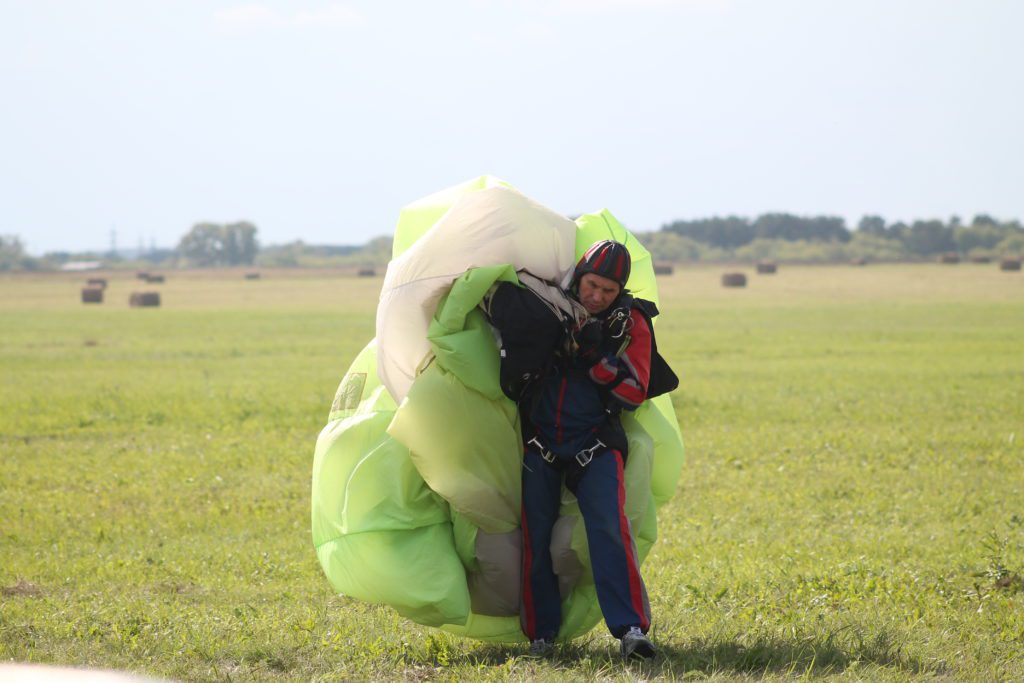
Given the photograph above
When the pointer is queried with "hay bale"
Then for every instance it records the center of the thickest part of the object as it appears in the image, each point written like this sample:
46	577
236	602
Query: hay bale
663	269
366	272
143	299
142	275
92	295
1009	264
766	267
252	276
981	259
859	261
734	280
97	282
154	278
949	257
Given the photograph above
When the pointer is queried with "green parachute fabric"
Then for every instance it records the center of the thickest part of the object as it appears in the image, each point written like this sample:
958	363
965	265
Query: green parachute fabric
416	476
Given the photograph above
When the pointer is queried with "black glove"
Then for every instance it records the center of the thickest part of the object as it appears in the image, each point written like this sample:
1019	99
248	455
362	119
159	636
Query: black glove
589	340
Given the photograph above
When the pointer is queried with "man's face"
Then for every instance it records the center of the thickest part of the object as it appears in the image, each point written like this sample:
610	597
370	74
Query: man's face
597	292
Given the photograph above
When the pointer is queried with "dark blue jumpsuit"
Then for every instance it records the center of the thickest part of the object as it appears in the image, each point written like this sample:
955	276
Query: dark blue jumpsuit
567	414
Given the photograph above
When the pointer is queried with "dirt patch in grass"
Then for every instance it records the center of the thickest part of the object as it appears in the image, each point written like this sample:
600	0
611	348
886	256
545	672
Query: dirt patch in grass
21	588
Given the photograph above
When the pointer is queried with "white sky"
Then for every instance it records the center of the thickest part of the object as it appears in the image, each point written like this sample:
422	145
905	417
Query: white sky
318	120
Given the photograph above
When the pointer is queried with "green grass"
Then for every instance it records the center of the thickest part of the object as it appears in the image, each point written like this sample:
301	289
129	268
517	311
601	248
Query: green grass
851	506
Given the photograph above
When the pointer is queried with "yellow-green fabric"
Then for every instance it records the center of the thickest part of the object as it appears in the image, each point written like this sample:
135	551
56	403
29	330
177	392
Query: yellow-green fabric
406	497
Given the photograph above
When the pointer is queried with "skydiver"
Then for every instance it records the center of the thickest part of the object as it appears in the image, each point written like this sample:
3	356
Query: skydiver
572	434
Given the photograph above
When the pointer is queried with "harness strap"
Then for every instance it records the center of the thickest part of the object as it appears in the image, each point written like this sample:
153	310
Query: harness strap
582	458
544	453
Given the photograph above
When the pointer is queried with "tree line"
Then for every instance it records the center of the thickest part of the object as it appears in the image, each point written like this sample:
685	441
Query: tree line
827	238
782	236
733	231
209	244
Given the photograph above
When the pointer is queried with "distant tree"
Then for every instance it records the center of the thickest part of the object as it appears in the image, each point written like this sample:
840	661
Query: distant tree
1012	245
789	227
240	245
978	237
807	251
671	246
729	232
762	248
202	245
213	244
872	225
929	237
899	230
983	219
829	228
13	256
230	246
875	247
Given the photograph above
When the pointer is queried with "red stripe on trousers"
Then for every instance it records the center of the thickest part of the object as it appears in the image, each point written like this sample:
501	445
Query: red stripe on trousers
635	591
530	613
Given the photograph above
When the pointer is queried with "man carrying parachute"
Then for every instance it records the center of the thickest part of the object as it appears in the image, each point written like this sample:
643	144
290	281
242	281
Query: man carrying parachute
418	475
571	431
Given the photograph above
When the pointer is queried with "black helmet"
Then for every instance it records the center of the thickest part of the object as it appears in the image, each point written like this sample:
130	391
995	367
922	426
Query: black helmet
606	258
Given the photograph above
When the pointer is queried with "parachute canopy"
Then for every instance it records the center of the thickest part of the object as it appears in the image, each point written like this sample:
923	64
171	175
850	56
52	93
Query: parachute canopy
416	476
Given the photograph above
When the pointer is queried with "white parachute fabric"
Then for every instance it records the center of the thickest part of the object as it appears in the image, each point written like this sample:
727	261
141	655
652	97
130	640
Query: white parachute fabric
493	226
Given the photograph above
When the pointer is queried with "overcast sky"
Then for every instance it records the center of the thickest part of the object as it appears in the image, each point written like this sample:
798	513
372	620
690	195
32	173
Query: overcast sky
318	120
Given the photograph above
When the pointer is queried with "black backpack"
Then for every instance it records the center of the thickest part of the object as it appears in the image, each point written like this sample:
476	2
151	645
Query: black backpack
532	333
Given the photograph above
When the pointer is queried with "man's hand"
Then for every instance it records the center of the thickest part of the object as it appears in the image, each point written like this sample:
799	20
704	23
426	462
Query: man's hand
589	340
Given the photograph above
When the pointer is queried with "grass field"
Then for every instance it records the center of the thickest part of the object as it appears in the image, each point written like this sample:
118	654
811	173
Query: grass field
852	505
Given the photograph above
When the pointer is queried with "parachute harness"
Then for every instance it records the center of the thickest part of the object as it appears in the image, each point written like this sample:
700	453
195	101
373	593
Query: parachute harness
582	458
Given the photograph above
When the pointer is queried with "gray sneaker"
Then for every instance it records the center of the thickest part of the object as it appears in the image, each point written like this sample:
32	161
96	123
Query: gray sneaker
635	645
542	647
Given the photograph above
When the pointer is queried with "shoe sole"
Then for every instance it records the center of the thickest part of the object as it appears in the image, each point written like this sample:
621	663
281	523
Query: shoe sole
642	651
